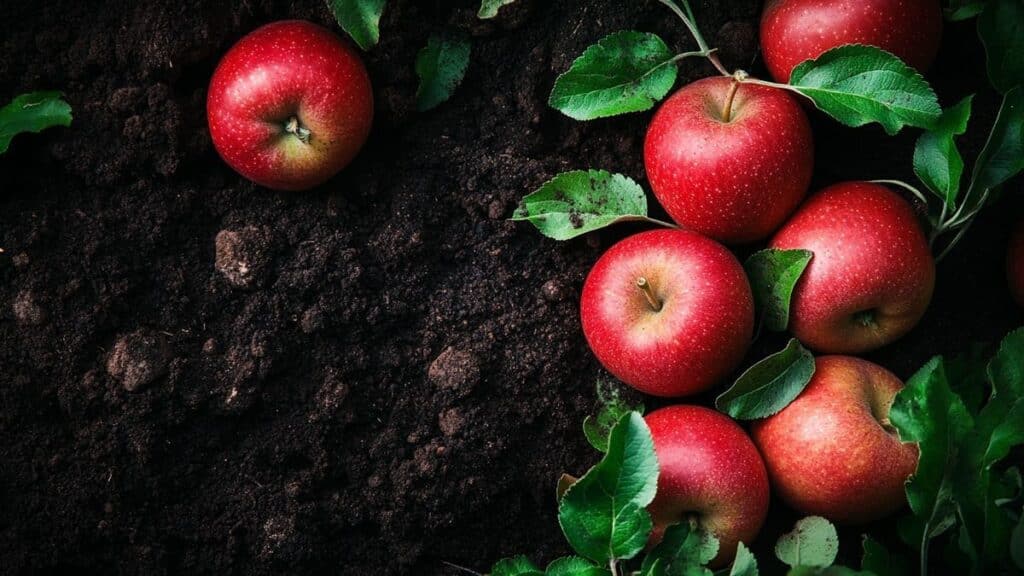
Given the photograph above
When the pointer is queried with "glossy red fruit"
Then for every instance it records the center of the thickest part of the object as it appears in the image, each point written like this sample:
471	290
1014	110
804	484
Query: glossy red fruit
1015	263
289	105
733	178
668	312
832	451
796	30
872	274
711	472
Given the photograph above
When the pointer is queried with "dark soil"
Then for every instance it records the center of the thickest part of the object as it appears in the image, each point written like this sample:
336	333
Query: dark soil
200	376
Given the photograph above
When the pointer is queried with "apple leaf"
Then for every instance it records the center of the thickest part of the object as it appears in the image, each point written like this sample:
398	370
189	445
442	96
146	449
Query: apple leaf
360	19
937	161
33	112
517	566
613	408
770	385
773	275
603	515
745	563
489	8
577	202
1002	157
1017	543
857	84
684	550
813	542
878	561
1001	28
959	10
624	72
575	566
440	65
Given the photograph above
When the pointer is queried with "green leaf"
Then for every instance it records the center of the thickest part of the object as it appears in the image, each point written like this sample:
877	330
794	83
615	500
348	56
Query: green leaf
624	72
1001	28
773	275
1017	543
1002	157
877	560
360	19
937	161
769	385
745	564
960	10
603	514
518	566
575	566
440	65
858	84
581	201
684	550
489	8
33	112
613	408
813	542
927	412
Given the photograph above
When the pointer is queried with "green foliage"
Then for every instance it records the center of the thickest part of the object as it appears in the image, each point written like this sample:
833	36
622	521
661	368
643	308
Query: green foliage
440	65
489	8
937	161
813	542
612	409
858	84
879	561
33	112
1001	28
745	564
1002	157
769	385
624	72
773	276
577	202
517	566
684	550
360	19
575	566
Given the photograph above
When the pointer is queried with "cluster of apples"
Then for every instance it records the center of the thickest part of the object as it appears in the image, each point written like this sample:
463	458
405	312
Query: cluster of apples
671	313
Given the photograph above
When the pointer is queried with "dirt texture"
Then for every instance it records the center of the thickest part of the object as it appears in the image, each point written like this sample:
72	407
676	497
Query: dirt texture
200	376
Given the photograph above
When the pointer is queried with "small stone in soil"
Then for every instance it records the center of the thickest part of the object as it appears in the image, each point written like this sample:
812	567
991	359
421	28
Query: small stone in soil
139	358
242	255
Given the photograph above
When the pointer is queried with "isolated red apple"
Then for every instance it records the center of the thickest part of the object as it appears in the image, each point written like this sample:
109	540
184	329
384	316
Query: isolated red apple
289	105
734	176
872	274
1015	263
668	312
832	451
710	471
796	30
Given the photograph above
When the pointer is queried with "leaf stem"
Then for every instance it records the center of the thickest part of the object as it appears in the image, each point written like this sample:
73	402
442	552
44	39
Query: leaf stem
691	24
613	567
924	548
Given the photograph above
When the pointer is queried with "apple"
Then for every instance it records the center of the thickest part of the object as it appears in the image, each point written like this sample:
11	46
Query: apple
289	105
796	30
728	159
710	473
668	312
872	274
832	451
1015	263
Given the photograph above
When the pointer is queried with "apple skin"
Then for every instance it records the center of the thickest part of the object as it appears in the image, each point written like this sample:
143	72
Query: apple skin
1015	263
709	470
872	275
796	30
832	451
284	70
734	181
702	330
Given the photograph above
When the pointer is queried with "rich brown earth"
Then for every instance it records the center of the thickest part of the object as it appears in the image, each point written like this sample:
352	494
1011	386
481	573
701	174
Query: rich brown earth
397	377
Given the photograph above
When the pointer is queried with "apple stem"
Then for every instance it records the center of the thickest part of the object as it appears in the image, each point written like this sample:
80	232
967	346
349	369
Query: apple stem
645	287
737	78
298	130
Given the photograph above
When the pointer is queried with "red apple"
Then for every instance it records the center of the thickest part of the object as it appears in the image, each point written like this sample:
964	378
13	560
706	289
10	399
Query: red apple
872	274
729	160
668	312
832	451
796	30
1015	263
289	105
710	472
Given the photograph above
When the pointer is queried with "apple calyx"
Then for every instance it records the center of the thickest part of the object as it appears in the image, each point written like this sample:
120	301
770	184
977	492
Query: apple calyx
866	318
648	292
293	127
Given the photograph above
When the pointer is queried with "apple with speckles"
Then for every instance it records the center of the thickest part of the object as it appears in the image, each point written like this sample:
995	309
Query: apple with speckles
872	275
668	312
796	30
289	105
832	452
1015	263
728	159
710	473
